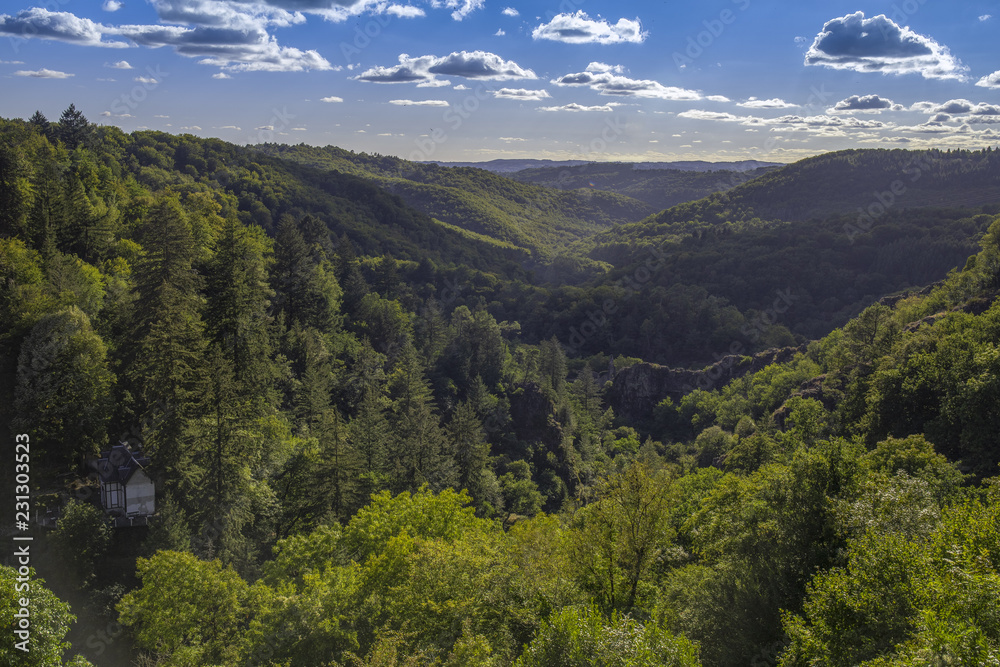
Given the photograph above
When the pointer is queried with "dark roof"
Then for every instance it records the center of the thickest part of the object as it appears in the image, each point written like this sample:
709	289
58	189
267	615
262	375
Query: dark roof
119	463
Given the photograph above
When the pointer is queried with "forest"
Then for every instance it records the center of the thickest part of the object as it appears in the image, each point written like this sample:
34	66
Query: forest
392	410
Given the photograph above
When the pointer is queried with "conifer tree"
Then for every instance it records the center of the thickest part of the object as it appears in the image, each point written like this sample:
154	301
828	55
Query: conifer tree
167	368
420	451
471	449
74	128
370	434
238	301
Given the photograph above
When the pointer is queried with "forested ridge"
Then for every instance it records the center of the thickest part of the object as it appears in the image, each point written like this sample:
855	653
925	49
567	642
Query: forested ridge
376	440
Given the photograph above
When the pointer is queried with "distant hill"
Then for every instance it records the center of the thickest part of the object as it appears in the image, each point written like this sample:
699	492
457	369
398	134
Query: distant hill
506	166
658	187
868	180
538	219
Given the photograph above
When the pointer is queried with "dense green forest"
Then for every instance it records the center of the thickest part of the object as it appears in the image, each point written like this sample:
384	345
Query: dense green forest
382	437
660	188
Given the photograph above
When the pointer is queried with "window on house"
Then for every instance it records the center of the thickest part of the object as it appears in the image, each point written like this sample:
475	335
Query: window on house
114	496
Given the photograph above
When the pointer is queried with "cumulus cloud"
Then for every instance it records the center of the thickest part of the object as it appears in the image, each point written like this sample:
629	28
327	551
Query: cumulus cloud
510	11
221	75
462	7
878	44
419	103
499	33
868	103
985	17
990	80
773	103
718	98
62	26
816	124
521	94
573	106
43	74
466	64
240	43
111	5
332	98
121	64
606	82
579	28
405	11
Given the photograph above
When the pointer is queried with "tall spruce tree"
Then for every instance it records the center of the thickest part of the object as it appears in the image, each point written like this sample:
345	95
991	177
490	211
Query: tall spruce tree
167	370
421	452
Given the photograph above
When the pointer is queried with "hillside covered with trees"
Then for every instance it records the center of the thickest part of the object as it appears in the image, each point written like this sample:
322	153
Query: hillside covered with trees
381	432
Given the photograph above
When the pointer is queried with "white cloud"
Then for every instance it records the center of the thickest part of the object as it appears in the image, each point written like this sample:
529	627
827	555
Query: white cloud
773	103
61	26
43	74
573	106
866	103
985	17
499	33
604	67
194	128
111	5
221	75
332	98
607	83
718	98
579	28
405	11
223	35
462	7
160	116
121	64
467	64
11	62
230	127
990	80
510	11
878	44
145	79
419	103
521	94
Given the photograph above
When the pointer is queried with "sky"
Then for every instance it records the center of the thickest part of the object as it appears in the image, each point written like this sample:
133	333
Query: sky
474	80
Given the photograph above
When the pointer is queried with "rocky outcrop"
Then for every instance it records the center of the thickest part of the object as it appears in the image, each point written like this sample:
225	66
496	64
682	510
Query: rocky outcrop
636	390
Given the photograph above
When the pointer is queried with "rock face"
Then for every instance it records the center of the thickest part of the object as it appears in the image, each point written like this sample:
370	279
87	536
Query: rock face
636	390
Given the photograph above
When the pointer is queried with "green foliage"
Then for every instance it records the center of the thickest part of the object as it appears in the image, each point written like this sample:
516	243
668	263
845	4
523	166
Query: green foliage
64	386
82	538
187	610
48	619
577	637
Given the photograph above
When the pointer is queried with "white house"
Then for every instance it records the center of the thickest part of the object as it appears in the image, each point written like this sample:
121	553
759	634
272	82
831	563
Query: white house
127	492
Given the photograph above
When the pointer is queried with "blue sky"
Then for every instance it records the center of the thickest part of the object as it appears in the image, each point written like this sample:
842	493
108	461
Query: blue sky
477	79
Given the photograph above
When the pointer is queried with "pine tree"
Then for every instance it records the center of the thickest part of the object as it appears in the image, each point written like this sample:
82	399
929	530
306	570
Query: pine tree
421	452
167	368
471	449
370	434
14	190
238	300
40	123
74	129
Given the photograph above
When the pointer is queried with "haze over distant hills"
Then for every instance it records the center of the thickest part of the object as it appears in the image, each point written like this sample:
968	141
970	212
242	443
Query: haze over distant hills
504	166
